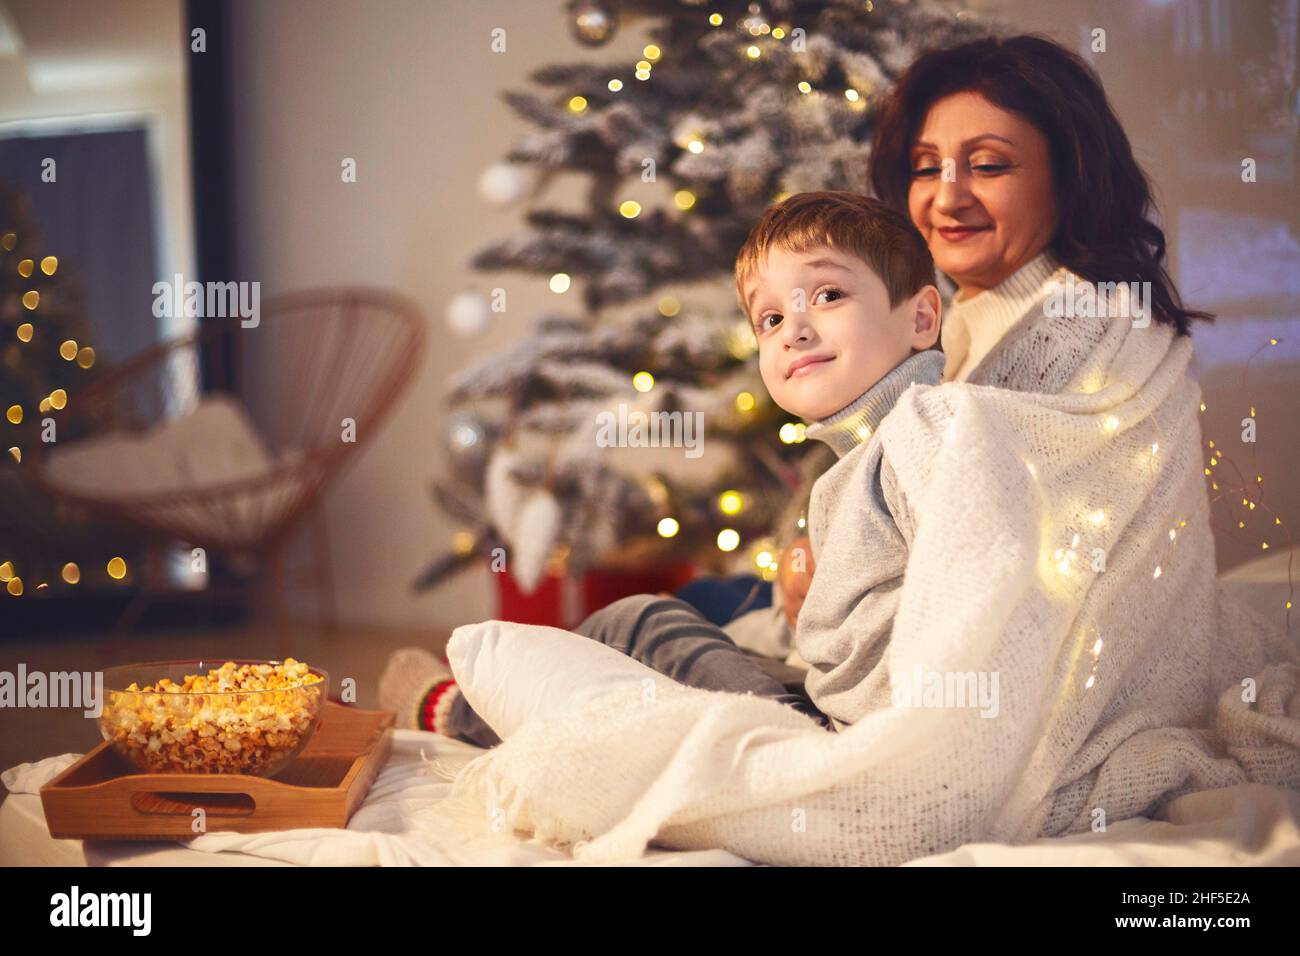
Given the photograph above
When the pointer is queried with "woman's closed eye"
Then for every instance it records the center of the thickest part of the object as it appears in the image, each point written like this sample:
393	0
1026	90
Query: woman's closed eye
930	170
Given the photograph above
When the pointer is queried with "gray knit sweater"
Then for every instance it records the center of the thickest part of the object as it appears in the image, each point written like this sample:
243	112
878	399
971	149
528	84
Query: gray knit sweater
860	543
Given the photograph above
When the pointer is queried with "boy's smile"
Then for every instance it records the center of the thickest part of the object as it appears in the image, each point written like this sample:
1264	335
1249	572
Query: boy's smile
825	329
808	364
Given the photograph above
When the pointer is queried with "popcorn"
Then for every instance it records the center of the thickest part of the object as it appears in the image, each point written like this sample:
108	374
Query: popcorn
249	718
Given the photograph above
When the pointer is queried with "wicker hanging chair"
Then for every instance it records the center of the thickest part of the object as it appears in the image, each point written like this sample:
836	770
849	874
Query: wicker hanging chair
310	382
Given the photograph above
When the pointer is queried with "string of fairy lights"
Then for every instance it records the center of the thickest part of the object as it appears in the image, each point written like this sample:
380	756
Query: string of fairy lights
69	350
1251	493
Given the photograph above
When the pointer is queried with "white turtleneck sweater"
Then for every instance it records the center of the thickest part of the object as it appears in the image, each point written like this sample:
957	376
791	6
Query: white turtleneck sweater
972	327
853	523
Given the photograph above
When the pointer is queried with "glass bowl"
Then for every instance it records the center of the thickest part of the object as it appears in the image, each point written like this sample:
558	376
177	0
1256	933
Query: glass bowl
220	726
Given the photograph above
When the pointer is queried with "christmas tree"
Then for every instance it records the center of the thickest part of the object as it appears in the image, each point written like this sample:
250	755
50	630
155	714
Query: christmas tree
732	106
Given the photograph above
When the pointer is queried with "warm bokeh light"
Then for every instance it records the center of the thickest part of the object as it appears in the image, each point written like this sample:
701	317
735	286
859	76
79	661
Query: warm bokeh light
117	569
71	573
68	350
668	527
560	282
728	539
643	381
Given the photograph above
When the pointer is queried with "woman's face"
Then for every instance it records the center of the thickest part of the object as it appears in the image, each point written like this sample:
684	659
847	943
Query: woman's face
992	208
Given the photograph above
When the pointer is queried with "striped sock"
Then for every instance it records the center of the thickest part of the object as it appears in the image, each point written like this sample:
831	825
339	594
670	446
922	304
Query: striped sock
435	706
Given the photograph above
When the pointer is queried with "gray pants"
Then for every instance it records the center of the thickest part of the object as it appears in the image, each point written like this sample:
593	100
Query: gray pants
671	637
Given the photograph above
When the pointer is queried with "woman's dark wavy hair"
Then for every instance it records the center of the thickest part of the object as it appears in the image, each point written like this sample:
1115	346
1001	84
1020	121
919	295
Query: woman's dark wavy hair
1104	232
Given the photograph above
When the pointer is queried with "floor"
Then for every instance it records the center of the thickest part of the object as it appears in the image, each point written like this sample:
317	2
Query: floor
28	734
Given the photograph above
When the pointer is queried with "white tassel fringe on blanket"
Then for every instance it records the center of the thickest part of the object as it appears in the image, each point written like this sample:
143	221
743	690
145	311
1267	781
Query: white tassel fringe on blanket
1062	544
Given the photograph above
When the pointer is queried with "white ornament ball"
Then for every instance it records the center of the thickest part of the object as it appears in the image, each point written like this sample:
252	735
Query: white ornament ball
468	313
502	184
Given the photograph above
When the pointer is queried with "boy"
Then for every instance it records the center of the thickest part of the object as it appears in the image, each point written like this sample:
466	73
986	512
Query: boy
839	290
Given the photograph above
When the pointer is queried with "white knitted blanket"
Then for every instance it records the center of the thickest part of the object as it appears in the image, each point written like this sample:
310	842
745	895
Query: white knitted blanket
1062	563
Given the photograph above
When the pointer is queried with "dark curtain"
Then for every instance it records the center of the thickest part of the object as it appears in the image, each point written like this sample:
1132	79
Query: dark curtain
209	82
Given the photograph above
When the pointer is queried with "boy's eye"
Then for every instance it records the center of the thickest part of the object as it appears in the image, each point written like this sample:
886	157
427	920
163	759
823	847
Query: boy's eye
762	326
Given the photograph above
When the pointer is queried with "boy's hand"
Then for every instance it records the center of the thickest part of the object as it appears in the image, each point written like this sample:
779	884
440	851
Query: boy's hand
793	577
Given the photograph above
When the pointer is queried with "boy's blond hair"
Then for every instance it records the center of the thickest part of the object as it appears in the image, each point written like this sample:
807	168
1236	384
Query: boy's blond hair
848	222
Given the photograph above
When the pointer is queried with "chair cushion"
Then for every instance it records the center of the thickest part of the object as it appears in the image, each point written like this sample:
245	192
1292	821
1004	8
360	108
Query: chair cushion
214	444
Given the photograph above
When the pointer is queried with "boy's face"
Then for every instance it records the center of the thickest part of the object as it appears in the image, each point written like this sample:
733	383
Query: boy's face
829	314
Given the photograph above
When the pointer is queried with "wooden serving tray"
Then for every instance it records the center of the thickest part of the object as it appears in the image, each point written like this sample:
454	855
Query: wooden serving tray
101	796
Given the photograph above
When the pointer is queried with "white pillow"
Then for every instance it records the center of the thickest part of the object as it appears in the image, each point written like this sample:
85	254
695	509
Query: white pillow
510	673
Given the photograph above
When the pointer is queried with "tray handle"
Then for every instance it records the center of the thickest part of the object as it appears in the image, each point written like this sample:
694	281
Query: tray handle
184	803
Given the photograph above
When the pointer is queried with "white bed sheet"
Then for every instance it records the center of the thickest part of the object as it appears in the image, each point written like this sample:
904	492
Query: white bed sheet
1244	825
